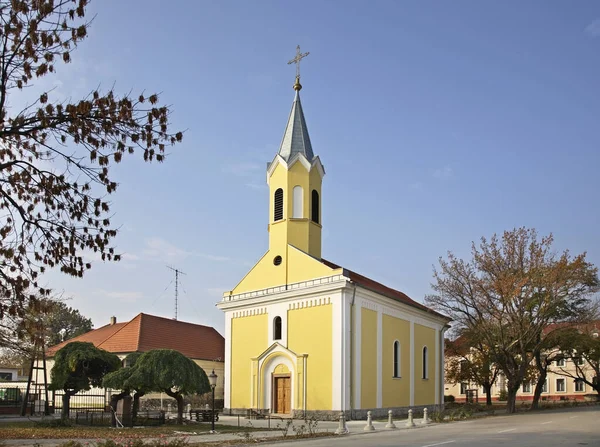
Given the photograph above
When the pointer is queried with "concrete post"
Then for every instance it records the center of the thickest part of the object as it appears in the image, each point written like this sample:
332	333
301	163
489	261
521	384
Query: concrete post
390	423
342	429
425	418
188	409
369	426
410	422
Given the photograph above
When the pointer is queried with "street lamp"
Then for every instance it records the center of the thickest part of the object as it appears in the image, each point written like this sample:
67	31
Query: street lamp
212	379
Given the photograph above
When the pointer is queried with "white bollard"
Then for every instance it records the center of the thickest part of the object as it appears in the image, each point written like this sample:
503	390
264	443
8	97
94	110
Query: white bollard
169	407
188	408
410	422
425	418
342	429
390	423
369	426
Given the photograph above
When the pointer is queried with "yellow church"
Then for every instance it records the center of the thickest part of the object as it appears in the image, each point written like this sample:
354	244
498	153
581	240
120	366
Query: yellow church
307	337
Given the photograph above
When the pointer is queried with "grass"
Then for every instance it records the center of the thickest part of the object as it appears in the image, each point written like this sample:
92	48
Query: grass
31	430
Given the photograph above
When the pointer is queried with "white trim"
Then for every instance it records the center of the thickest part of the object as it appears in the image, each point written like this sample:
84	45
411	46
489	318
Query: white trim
437	365
279	160
337	352
397	356
346	354
277	310
379	401
412	363
357	352
266	378
297	202
227	365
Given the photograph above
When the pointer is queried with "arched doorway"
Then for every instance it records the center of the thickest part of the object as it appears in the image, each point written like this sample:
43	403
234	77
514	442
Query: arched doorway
281	387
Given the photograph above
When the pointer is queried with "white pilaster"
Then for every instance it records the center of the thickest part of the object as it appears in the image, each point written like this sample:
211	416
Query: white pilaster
227	365
337	384
347	299
412	363
357	352
437	367
379	358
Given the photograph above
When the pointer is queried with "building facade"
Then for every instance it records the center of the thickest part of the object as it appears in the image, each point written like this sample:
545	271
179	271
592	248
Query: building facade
305	336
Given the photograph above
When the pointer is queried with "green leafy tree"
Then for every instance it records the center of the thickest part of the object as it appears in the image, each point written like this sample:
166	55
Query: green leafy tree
77	367
117	379
581	345
469	360
512	288
63	323
56	154
169	372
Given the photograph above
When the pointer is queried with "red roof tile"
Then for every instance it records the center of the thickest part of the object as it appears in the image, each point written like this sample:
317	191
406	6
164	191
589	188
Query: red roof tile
146	332
375	286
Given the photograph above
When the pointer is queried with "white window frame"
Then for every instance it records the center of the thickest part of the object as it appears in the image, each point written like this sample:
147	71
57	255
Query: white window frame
397	358
526	387
564	385
581	383
297	202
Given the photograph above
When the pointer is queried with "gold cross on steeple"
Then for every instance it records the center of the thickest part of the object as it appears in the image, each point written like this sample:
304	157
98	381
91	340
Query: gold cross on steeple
296	60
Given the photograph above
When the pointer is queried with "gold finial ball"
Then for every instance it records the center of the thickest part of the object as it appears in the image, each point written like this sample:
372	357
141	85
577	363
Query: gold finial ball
297	85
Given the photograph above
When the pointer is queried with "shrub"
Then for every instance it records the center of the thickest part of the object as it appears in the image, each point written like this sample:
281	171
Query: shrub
449	399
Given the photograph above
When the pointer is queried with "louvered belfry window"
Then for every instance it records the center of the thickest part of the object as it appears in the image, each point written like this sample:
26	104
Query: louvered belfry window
278	204
315	206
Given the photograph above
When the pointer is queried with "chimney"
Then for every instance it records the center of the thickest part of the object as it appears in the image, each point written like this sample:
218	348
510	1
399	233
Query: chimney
113	321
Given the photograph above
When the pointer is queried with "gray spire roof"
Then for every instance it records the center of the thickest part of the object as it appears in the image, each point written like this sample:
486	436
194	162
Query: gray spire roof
296	139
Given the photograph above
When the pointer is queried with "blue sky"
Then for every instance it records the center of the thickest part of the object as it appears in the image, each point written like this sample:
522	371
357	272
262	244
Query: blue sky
437	122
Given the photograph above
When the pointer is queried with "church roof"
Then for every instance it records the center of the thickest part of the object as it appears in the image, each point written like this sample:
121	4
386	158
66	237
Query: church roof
146	332
374	286
295	139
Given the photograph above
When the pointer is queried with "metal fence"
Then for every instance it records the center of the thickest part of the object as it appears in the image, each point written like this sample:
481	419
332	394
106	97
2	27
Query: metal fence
12	395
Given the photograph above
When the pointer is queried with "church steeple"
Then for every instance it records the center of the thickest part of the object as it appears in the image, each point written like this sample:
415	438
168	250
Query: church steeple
295	139
294	177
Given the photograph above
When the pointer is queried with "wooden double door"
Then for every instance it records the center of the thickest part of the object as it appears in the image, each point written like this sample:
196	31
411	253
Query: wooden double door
282	394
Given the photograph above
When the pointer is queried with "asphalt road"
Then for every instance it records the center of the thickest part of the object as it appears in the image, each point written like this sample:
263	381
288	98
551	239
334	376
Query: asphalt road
564	427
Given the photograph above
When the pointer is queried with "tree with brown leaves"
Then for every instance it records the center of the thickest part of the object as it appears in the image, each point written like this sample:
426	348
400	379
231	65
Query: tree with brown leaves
513	287
55	156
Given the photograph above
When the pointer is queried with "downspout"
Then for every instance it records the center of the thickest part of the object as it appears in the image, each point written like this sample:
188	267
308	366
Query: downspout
352	353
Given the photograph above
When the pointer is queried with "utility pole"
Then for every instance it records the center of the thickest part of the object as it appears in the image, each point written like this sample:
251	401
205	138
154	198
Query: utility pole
177	273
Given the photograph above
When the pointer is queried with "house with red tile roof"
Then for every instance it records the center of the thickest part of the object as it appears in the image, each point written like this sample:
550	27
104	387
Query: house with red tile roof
144	332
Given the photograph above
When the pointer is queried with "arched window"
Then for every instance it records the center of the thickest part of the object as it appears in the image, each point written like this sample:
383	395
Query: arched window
396	358
315	206
277	328
278	205
425	363
297	202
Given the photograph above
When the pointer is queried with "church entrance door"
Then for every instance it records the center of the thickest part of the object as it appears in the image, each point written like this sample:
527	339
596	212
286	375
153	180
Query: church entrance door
282	397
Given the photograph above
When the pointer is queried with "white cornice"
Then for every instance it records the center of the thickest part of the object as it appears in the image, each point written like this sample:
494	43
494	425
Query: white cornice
316	164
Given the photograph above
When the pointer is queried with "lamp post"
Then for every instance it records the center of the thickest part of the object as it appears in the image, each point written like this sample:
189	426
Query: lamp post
212	379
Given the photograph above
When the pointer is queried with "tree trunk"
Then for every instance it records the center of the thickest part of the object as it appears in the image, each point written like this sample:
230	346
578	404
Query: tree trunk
179	409
511	401
136	404
539	386
114	400
487	388
179	398
66	404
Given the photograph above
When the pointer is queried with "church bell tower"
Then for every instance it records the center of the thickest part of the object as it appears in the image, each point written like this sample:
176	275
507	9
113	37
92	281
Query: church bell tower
294	178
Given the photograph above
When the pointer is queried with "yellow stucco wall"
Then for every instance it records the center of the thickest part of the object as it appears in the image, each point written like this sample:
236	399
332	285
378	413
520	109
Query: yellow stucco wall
424	388
310	331
249	338
395	391
368	367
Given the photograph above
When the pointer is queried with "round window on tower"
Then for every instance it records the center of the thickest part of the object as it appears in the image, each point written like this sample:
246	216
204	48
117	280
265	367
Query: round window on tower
277	260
